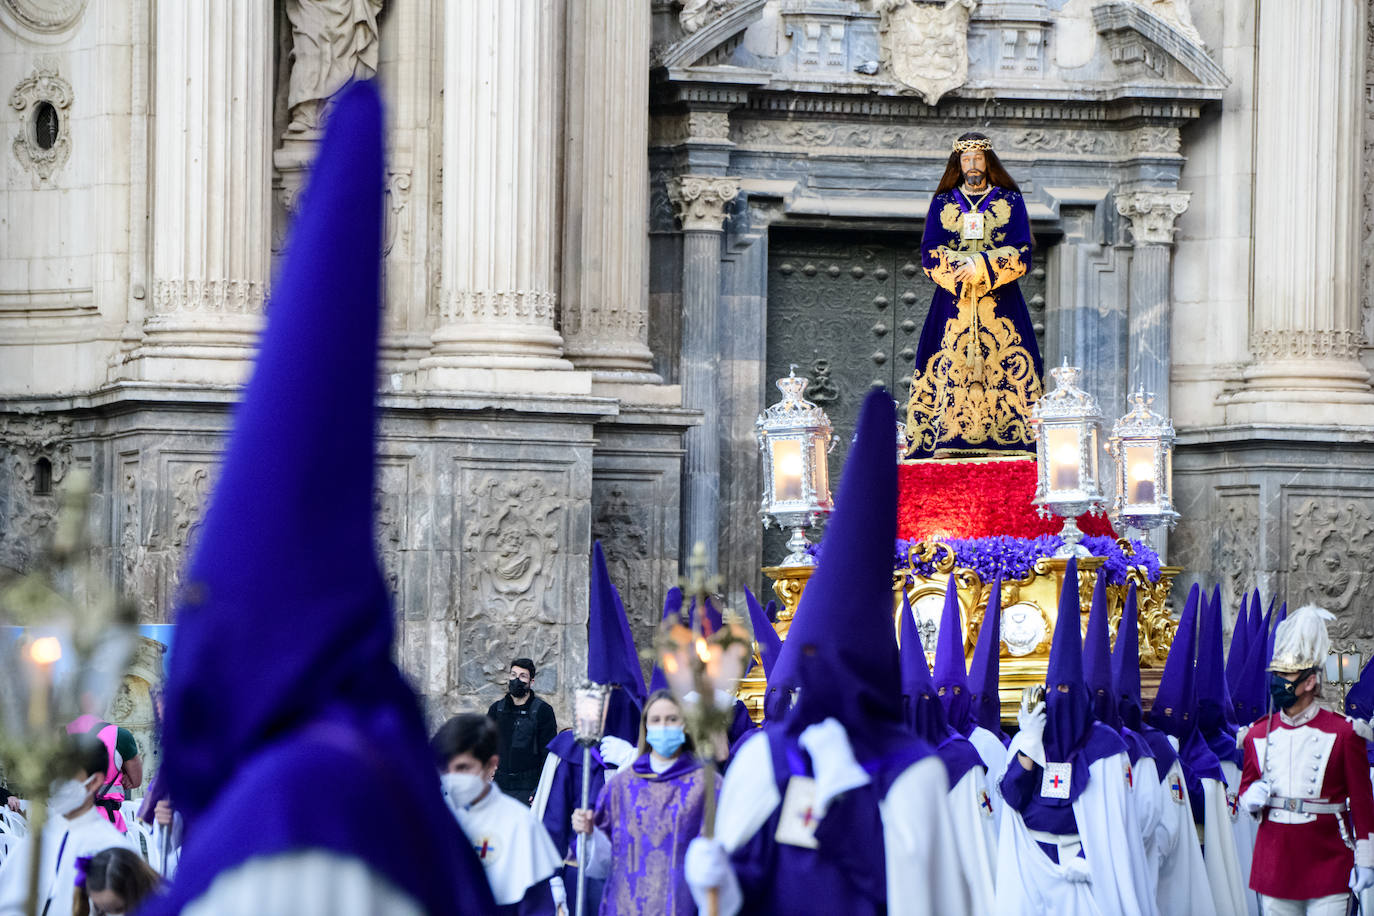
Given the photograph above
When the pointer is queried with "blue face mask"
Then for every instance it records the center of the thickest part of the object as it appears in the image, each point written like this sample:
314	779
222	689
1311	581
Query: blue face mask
666	740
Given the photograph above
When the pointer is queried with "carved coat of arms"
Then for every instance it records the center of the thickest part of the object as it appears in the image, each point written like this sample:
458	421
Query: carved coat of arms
925	45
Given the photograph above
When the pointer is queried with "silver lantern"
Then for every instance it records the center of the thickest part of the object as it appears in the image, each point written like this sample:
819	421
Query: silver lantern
1142	444
795	437
1065	422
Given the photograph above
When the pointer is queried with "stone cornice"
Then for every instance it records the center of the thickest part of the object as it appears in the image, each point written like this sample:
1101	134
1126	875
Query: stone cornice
1152	212
701	200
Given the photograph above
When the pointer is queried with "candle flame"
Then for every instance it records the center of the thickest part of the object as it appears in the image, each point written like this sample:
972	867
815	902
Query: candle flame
703	652
1067	454
45	650
1142	471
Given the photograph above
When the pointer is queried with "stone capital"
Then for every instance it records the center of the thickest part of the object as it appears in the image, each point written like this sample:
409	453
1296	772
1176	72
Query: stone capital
1152	213
701	200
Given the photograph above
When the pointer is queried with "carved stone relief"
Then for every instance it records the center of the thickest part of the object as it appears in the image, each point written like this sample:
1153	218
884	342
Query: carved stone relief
1331	550
1152	213
1237	542
627	542
37	452
332	42
696	13
509	564
925	46
1177	14
701	200
132	706
390	498
46	16
934	140
43	143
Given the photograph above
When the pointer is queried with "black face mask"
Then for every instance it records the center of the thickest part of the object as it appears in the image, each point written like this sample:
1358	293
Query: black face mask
1283	691
517	687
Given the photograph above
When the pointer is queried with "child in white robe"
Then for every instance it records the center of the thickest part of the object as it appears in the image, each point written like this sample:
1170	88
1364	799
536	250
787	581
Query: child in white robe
74	829
520	860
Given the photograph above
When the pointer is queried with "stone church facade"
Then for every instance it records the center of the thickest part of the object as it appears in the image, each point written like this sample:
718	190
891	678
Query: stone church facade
612	223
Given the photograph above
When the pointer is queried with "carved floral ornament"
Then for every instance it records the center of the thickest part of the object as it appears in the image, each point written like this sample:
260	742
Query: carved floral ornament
701	200
43	143
1152	213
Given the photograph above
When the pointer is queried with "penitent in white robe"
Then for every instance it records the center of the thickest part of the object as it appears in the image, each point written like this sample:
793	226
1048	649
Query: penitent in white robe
63	841
924	877
1182	888
1030	884
975	830
1244	827
1219	851
994	756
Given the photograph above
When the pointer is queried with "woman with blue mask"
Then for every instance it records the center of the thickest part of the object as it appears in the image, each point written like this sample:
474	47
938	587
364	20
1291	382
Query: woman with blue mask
645	817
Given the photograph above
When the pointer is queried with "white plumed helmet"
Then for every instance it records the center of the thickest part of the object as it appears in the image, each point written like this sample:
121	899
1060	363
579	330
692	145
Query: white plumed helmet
1301	641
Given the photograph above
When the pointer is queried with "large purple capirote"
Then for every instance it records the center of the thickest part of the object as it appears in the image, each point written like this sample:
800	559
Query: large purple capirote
282	698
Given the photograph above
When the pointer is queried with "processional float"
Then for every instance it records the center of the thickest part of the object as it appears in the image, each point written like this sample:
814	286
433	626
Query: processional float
966	521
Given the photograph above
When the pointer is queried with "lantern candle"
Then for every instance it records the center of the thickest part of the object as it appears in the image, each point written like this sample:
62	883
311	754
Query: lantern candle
1063	451
787	470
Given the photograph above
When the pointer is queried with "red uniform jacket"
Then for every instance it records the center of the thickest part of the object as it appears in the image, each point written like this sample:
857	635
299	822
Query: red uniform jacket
1301	856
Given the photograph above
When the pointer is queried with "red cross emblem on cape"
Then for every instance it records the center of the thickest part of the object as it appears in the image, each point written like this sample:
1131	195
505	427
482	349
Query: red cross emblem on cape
985	802
1176	790
1233	804
1057	778
486	850
1130	776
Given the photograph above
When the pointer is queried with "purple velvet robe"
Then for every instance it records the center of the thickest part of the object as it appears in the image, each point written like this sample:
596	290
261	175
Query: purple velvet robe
565	796
650	818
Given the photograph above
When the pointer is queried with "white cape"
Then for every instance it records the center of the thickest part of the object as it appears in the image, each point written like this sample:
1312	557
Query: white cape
1183	888
1219	851
924	877
1029	884
975	832
1244	827
994	754
514	847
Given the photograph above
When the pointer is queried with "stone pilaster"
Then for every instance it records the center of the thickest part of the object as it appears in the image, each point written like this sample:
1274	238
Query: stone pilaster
212	191
701	201
606	191
1305	332
503	73
1151	213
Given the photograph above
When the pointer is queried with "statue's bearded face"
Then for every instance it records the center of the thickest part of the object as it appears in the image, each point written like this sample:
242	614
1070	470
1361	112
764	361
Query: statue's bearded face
974	165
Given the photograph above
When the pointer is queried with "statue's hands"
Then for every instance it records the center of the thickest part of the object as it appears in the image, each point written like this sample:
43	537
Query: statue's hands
964	271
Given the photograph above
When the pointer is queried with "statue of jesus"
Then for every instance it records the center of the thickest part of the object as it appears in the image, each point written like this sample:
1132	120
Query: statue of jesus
978	366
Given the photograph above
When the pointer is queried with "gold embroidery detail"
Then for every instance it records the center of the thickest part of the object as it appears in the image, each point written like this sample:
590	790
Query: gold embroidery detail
995	219
980	385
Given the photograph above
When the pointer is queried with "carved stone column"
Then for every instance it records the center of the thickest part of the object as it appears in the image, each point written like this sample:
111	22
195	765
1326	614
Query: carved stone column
701	201
606	191
503	66
212	190
1151	213
1305	332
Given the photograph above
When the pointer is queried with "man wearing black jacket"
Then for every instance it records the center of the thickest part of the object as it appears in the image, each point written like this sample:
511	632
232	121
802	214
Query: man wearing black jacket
527	726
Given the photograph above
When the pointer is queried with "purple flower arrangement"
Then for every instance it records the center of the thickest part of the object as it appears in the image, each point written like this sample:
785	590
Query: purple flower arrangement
1012	558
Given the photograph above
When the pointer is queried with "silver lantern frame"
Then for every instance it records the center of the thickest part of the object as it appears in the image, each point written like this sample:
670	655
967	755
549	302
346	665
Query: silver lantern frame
797	429
1066	420
1143	429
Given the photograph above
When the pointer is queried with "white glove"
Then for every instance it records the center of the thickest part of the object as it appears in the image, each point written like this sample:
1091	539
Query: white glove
1254	797
1361	878
1363	728
1076	870
1030	740
617	751
560	893
707	866
832	758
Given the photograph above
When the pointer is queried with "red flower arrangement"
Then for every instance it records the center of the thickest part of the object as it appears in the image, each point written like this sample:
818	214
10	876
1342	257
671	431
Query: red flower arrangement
974	498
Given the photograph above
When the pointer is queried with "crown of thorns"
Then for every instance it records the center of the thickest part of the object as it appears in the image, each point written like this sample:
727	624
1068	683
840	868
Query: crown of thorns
967	146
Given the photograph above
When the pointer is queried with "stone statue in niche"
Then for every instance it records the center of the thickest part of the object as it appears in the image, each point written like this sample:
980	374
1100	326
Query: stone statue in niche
925	45
332	42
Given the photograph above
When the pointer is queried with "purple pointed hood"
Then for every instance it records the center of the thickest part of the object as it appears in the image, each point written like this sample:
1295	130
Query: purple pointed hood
1174	710
282	684
611	656
1215	718
925	714
1251	700
672	604
1097	659
1239	648
1126	678
841	652
769	642
1269	644
951	678
984	670
1359	699
1067	708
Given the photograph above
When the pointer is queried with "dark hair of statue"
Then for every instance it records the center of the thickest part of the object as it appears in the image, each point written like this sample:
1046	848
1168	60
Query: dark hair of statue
654	697
954	174
122	871
468	733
